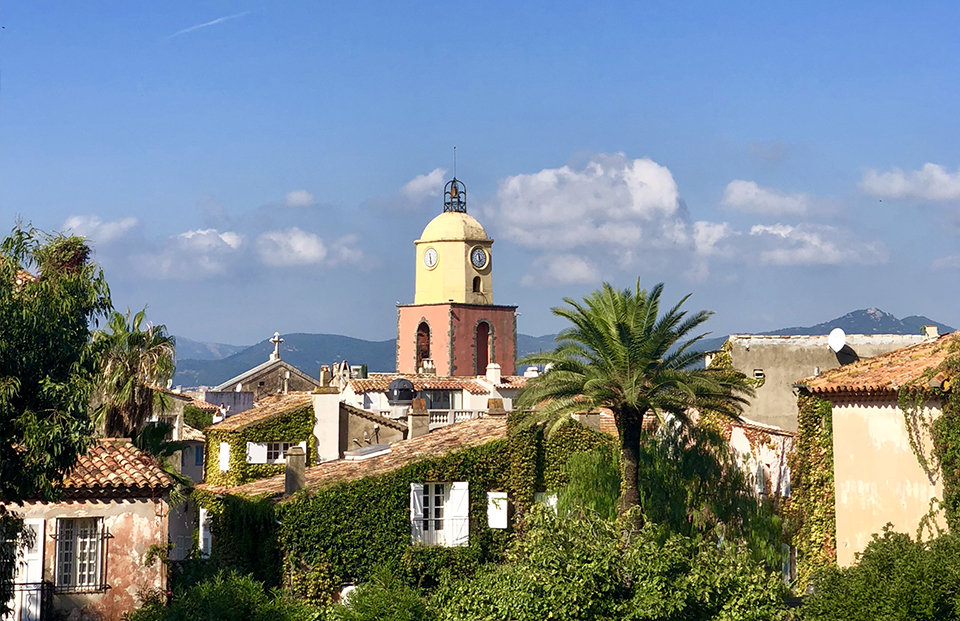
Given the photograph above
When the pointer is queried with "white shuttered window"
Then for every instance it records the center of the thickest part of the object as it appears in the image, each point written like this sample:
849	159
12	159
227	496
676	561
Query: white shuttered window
440	513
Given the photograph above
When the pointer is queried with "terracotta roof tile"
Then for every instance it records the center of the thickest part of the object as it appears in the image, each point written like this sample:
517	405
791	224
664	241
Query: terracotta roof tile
445	440
115	467
380	382
262	410
884	373
203	405
513	381
193	435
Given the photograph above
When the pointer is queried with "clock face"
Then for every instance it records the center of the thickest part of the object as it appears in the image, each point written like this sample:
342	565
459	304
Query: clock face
430	258
478	257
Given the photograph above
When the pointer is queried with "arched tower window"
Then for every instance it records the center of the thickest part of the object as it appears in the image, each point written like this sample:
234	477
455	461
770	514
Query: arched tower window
476	284
423	344
483	347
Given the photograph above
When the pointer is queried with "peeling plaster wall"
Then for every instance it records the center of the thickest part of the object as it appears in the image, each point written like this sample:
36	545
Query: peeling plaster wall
877	477
766	450
134	525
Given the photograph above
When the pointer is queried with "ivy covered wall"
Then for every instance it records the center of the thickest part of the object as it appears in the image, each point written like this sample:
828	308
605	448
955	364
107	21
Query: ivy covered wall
295	425
325	536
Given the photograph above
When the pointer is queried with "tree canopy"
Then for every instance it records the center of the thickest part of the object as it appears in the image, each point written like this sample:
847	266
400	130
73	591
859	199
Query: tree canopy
622	354
50	294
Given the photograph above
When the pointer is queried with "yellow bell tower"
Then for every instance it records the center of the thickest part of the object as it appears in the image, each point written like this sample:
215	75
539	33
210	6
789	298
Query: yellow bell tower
454	259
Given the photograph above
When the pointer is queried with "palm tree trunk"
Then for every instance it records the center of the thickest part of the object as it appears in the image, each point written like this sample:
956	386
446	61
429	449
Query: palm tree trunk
629	425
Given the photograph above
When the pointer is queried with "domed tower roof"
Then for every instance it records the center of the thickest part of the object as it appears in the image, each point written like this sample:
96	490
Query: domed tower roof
454	225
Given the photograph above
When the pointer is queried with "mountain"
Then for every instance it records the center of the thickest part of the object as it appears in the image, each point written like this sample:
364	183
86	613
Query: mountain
868	321
195	350
304	351
527	345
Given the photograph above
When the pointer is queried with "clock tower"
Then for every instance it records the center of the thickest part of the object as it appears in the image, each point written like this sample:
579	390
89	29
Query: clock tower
453	327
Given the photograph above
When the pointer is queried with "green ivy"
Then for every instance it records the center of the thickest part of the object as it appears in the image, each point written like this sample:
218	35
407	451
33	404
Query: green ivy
811	510
294	425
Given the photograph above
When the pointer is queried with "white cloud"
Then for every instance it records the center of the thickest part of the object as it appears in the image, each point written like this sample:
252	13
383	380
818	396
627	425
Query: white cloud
707	236
561	269
425	186
210	239
299	198
949	262
97	230
811	244
191	255
747	196
613	200
931	183
290	247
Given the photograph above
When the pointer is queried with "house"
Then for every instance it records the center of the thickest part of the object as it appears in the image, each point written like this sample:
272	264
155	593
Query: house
878	478
275	376
87	559
777	361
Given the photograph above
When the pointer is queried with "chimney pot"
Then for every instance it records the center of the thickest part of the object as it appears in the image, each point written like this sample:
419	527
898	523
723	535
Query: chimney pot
493	373
296	471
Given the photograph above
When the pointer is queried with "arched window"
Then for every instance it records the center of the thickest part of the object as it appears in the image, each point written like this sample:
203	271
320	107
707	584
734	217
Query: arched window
423	343
483	347
476	284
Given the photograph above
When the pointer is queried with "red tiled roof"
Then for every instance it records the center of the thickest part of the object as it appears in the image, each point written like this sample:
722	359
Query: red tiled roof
262	410
115	467
513	381
884	373
192	435
380	382
445	440
203	405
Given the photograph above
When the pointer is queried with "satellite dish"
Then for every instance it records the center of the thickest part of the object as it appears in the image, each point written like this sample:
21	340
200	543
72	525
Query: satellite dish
837	339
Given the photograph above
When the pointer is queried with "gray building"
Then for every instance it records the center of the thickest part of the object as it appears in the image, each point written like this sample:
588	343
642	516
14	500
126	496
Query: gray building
780	361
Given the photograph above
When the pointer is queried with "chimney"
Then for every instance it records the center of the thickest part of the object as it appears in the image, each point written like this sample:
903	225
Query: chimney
531	371
326	423
418	419
931	332
325	375
495	407
493	373
296	471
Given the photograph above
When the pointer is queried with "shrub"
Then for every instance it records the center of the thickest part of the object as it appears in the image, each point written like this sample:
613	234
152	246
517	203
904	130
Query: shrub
590	568
197	418
895	578
384	598
225	597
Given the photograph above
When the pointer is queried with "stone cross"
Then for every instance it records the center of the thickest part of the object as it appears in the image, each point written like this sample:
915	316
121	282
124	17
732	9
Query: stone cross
276	340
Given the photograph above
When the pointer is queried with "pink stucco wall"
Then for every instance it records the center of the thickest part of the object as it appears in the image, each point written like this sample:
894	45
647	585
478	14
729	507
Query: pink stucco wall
452	334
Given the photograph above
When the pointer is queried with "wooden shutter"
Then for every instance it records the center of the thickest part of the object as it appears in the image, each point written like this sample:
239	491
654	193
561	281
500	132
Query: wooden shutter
256	453
416	513
206	538
457	515
224	456
497	509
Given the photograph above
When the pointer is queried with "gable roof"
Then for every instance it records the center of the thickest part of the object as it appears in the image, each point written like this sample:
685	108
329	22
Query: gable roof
445	440
885	373
274	405
265	367
372	416
191	434
115	468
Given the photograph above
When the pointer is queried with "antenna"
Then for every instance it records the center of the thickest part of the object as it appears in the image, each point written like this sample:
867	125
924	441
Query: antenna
454	162
837	339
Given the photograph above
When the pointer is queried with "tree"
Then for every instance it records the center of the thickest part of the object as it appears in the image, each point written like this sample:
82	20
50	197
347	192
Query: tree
50	293
136	364
621	354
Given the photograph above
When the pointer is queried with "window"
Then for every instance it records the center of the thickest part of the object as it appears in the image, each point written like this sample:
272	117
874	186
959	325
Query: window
758	374
270	452
224	456
439	514
198	456
80	554
476	284
277	450
423	344
483	347
443	399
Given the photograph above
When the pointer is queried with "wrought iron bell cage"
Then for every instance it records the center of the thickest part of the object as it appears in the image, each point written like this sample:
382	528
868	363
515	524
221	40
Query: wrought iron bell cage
455	196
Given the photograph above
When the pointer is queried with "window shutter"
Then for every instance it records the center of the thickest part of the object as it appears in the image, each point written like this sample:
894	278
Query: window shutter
760	480
224	456
785	482
256	453
457	514
206	539
497	509
416	513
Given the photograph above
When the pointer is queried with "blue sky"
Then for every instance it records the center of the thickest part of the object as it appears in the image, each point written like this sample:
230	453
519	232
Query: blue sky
249	167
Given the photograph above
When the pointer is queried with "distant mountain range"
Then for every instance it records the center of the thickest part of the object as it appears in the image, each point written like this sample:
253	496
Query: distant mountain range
210	364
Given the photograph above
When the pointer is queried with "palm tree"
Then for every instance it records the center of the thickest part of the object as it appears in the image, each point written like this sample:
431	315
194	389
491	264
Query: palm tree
621	354
136	365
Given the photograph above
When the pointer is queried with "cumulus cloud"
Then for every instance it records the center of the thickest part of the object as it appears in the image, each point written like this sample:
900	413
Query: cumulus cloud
949	262
749	197
561	269
290	247
707	237
97	230
191	255
613	200
931	183
299	198
811	244
425	186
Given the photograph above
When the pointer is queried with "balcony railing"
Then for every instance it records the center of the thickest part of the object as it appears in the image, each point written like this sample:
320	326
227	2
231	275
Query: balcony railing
31	602
442	418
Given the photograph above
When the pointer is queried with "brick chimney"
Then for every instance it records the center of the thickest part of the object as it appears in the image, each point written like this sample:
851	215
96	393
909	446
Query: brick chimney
296	470
418	419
